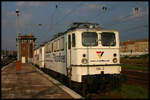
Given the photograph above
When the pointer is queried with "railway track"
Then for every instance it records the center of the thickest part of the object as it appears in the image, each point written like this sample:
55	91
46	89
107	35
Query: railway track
135	77
132	77
136	64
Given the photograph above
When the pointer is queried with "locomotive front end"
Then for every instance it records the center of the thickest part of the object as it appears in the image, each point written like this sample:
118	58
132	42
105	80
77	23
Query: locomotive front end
96	58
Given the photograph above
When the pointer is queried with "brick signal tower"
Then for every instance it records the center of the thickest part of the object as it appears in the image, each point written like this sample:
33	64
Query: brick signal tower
26	48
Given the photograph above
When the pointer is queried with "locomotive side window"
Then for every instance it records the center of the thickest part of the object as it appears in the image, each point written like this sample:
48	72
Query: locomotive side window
57	45
61	42
40	50
108	39
47	48
89	39
73	40
52	47
69	42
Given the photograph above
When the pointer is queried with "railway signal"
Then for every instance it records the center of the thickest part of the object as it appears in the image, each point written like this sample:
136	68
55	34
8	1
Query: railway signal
136	10
40	24
104	7
56	6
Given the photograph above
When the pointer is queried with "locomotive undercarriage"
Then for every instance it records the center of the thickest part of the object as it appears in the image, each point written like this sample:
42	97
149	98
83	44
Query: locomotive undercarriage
90	83
100	82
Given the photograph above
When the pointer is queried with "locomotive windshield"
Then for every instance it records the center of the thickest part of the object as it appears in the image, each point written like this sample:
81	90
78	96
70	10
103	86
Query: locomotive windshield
89	39
108	39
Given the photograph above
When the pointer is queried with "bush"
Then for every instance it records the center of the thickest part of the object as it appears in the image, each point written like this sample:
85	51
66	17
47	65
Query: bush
145	56
126	56
137	57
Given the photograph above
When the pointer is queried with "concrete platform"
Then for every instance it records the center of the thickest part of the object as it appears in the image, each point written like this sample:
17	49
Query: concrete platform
28	83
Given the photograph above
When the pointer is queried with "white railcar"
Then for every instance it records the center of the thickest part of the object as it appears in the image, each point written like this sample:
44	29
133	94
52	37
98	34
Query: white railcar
41	56
84	50
55	54
38	56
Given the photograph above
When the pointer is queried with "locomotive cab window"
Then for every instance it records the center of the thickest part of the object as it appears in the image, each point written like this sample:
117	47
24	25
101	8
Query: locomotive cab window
89	39
108	39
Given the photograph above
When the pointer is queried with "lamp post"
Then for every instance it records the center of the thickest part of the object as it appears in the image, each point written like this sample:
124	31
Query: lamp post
17	31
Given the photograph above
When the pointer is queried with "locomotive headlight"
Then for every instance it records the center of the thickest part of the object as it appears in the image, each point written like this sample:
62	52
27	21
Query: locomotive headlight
84	61
115	60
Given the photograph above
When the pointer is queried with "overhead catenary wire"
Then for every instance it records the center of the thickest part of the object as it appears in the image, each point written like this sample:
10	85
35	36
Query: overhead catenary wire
52	17
139	27
75	8
56	9
103	9
123	19
68	14
116	22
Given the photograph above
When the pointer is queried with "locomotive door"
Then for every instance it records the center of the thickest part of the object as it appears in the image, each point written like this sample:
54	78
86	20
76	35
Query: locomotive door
68	60
70	47
68	53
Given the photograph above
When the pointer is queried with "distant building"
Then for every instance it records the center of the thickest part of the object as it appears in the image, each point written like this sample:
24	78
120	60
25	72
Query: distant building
7	53
126	46
26	48
134	47
141	46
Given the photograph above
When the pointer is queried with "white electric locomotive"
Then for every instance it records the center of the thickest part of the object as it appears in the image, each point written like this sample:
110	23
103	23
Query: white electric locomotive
84	52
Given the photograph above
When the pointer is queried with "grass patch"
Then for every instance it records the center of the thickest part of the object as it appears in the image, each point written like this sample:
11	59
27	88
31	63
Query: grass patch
126	92
143	61
130	92
134	92
146	56
135	63
136	59
134	67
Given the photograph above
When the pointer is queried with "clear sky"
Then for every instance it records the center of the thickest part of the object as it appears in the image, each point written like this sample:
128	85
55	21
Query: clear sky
119	16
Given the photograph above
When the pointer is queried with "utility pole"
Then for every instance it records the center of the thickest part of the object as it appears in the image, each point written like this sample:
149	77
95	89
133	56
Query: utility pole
17	31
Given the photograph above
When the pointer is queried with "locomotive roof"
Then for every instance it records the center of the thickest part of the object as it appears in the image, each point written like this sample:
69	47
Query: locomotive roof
39	46
62	33
57	35
77	25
